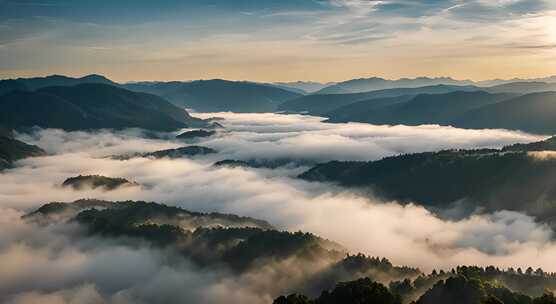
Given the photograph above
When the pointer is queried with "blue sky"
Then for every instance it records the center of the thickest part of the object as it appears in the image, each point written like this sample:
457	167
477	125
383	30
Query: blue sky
271	40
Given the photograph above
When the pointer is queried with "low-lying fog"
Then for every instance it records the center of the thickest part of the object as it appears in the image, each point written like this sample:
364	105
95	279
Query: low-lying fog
46	265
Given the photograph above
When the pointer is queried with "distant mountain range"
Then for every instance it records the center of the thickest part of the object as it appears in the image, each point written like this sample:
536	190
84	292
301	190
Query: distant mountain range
93	102
318	104
91	106
218	95
304	86
496	82
416	110
522	87
535	113
376	83
464	107
202	95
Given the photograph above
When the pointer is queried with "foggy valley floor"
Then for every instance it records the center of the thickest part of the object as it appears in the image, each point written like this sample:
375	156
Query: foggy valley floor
57	258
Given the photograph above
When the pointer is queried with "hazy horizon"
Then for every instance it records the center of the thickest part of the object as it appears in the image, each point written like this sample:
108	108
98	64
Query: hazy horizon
281	81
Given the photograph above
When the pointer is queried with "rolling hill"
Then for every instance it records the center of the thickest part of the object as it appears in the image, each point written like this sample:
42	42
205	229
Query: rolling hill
421	109
318	104
513	178
377	83
12	150
9	85
305	86
323	269
535	113
36	83
218	95
91	106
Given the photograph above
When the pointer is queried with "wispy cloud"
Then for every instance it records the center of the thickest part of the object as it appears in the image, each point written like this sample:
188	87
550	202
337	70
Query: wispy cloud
357	35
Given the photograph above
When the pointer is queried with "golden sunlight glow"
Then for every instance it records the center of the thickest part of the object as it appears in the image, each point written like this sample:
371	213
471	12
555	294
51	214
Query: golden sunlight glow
551	29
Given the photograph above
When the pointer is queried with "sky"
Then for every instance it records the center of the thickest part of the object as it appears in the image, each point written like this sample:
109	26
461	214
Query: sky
278	40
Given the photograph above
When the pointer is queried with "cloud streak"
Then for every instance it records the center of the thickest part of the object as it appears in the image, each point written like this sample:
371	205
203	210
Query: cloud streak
324	40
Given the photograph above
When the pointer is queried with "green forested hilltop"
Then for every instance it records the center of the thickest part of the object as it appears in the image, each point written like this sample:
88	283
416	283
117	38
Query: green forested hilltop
516	178
304	263
12	150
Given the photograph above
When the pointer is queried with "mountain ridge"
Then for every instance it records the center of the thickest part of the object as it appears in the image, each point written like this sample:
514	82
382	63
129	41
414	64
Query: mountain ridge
91	106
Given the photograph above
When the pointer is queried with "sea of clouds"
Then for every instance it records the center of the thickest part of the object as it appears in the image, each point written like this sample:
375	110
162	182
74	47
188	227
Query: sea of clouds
53	265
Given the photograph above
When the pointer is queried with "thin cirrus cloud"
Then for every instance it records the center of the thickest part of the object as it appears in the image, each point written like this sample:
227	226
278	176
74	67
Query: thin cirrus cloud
283	40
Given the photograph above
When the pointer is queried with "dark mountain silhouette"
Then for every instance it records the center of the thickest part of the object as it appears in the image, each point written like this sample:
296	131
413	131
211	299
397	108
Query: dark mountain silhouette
181	152
60	80
478	286
304	86
255	163
363	290
286	87
97	181
218	95
195	134
376	83
188	151
422	109
321	104
360	111
506	179
462	290
91	106
12	150
35	83
534	113
9	85
545	145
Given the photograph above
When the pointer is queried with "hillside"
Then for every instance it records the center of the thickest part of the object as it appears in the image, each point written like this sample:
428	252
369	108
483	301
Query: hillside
323	269
35	83
319	104
304	86
377	83
421	109
535	113
460	285
218	95
494	180
91	106
97	181
206	238
59	80
12	150
195	134
9	85
180	152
